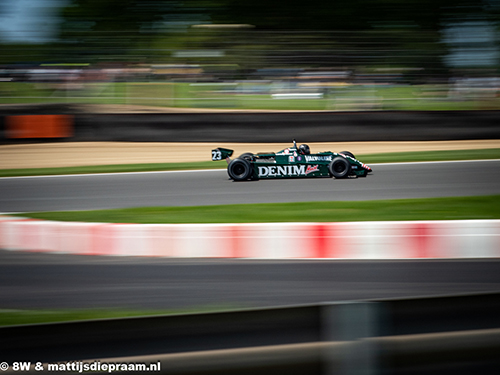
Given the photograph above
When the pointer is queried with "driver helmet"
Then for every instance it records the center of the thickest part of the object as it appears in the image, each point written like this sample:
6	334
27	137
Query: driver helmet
304	149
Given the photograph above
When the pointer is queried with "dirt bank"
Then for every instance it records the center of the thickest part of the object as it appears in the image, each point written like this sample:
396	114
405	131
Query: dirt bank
68	154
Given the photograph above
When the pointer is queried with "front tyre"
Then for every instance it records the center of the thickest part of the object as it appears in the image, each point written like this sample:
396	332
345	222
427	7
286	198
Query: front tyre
340	167
239	169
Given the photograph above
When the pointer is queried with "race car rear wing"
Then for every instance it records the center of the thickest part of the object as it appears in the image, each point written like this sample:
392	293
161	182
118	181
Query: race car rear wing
222	153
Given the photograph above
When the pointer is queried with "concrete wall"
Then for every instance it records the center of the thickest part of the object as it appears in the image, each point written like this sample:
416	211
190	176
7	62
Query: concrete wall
280	127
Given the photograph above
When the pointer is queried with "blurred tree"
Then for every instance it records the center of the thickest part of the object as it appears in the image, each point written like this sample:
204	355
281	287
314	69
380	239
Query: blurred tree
111	15
112	28
336	14
391	33
406	33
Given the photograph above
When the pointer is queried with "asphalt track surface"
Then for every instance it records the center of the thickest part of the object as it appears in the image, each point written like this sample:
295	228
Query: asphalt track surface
36	280
388	181
47	281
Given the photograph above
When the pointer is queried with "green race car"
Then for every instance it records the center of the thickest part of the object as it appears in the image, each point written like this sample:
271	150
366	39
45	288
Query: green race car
292	162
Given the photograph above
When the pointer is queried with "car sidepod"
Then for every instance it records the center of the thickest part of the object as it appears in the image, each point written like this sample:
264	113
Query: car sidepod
291	165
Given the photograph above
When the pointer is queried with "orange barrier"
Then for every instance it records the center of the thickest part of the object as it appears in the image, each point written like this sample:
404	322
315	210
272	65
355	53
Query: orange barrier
39	126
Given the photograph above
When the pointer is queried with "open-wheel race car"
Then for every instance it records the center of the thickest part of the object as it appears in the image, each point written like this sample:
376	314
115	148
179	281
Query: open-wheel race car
292	162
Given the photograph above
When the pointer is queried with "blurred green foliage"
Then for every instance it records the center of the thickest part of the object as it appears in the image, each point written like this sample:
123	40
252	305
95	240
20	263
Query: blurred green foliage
10	317
387	32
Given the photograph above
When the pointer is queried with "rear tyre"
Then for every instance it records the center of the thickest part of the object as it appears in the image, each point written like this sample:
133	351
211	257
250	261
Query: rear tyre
348	153
239	169
340	167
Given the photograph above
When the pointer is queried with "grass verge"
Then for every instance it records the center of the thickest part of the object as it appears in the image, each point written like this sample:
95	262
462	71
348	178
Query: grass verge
11	317
402	157
446	155
450	208
119	168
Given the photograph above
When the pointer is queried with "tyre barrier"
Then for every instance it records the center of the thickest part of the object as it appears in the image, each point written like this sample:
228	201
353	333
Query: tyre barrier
336	240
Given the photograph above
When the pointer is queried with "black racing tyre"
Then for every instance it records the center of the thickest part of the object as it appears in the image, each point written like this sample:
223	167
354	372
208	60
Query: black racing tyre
348	153
340	167
239	169
247	156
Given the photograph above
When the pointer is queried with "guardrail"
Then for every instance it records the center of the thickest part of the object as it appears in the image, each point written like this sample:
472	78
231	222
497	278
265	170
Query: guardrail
448	334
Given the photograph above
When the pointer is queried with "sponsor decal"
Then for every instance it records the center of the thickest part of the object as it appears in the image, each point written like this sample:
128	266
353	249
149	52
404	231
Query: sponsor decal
286	151
310	158
311	169
282	170
291	159
299	158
